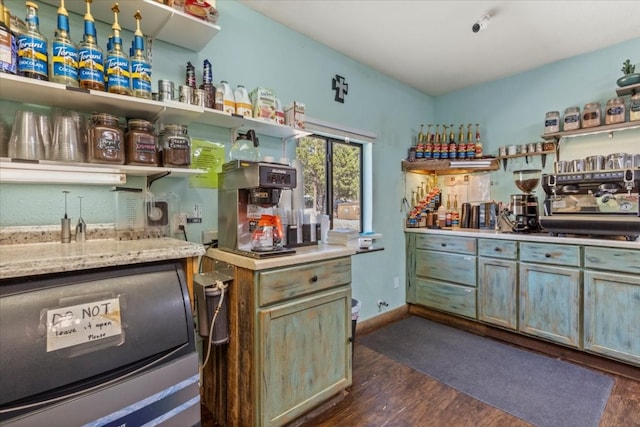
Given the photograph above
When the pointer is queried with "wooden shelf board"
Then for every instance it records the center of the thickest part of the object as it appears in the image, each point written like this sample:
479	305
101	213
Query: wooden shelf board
444	166
589	131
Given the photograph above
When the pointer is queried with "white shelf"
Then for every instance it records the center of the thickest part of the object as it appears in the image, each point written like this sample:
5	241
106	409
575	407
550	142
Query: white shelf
32	91
159	21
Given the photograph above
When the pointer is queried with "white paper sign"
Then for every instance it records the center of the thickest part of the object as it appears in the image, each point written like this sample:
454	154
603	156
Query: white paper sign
83	323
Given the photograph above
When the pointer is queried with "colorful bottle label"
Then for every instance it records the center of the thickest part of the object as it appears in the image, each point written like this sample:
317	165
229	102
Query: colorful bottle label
64	57
90	65
118	75
8	52
32	55
140	76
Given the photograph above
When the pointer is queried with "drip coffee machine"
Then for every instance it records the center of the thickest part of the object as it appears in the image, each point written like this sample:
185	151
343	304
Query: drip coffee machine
525	206
246	191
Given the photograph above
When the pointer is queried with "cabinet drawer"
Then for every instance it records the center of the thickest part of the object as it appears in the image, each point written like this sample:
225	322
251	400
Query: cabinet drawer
507	249
459	245
619	260
447	297
445	266
550	254
291	282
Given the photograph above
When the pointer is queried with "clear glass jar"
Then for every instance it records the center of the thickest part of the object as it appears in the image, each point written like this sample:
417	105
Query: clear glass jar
552	122
105	140
571	119
142	143
176	146
615	111
591	115
634	108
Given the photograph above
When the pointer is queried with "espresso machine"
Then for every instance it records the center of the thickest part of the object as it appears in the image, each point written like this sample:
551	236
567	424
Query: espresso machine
601	203
524	207
246	190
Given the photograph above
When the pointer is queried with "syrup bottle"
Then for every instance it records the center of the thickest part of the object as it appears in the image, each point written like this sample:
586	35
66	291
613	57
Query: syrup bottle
118	73
453	147
33	56
8	51
90	56
64	53
140	67
478	153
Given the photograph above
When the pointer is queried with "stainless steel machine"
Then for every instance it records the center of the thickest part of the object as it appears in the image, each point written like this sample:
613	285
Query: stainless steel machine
593	203
245	190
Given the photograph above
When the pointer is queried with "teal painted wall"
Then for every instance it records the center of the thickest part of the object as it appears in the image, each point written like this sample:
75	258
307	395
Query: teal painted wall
253	51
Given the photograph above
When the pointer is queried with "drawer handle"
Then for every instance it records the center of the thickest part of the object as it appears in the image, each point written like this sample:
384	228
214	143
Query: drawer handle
547	255
314	278
497	249
444	245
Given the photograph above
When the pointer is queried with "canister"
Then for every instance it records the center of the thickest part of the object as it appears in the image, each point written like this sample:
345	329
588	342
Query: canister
106	140
591	115
176	146
166	90
185	94
634	107
615	111
552	122
571	118
142	143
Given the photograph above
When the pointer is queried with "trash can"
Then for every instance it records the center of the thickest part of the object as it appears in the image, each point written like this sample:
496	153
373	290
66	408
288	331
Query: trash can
355	312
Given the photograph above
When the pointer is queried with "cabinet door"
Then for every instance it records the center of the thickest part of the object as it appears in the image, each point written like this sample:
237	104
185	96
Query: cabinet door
612	315
497	292
550	303
305	354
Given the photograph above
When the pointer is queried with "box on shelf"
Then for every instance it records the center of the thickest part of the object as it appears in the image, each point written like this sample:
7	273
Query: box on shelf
294	115
264	104
201	9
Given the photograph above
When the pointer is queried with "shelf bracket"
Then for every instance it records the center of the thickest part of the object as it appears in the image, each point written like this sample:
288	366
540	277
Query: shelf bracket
504	164
543	158
153	178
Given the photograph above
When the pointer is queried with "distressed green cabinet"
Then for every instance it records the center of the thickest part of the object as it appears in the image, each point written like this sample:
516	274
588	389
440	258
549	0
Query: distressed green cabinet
444	273
550	294
498	282
612	303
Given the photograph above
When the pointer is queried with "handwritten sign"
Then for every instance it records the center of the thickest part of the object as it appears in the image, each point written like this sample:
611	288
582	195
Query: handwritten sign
83	323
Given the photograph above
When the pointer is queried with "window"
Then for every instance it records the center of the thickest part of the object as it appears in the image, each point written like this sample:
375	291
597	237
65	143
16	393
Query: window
332	175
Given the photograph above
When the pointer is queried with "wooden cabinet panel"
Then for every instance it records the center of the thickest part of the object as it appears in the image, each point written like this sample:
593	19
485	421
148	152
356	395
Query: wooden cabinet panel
305	354
498	292
550	254
612	315
446	296
446	266
455	244
291	282
619	260
550	303
494	248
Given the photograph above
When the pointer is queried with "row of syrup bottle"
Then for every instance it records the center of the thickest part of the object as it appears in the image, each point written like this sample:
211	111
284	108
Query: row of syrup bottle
8	48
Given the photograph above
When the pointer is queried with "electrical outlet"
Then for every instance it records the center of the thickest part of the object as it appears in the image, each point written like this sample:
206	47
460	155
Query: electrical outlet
179	219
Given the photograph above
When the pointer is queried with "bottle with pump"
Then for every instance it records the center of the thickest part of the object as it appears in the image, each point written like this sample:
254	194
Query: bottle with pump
140	67
207	83
90	56
64	53
33	54
118	75
8	51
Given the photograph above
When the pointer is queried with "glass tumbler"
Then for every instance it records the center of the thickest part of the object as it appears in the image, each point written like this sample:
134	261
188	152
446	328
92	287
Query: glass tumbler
26	141
65	144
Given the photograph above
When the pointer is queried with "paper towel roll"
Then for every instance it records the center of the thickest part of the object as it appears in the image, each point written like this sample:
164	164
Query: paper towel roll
297	196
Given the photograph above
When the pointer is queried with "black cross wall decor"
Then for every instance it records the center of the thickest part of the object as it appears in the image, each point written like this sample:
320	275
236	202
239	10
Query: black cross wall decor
341	87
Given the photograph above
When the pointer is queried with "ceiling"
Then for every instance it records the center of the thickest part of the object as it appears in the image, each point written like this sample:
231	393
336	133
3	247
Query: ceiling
430	45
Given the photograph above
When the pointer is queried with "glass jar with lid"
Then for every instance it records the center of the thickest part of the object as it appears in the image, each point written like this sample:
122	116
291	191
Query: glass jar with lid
615	111
552	122
634	107
105	140
591	115
571	119
176	146
142	143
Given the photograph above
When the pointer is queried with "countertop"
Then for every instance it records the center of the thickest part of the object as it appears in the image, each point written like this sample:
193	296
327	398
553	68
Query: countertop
611	242
303	254
28	259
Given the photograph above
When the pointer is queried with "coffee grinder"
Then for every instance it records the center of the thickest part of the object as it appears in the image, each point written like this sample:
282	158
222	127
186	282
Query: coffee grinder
246	189
525	206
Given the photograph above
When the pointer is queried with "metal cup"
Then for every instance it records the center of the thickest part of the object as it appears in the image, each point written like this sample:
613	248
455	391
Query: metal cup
185	94
166	90
200	97
616	161
594	163
563	166
632	161
578	165
66	141
26	141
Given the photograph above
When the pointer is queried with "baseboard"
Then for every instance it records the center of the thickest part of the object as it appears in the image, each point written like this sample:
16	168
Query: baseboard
383	319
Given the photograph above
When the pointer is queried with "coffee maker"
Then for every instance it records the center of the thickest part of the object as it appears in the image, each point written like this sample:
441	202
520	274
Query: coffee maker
525	206
246	189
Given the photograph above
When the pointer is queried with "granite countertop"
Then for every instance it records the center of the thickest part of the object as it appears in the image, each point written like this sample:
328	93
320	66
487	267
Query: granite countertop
606	241
28	259
303	254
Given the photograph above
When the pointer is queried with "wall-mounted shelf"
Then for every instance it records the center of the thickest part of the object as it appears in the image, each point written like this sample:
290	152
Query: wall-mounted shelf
556	136
542	154
450	167
49	172
32	91
628	90
159	21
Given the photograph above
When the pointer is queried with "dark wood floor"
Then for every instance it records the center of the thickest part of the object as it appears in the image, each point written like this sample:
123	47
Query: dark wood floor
387	393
